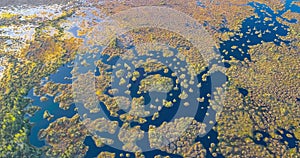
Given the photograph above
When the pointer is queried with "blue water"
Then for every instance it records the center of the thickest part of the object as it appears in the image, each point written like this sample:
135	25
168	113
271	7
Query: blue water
263	136
289	6
41	123
74	30
211	137
166	114
200	4
293	142
94	150
277	31
37	119
243	91
63	76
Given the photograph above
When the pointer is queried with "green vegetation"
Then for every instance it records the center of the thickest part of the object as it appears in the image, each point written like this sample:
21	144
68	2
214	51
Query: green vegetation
23	72
156	83
65	136
272	80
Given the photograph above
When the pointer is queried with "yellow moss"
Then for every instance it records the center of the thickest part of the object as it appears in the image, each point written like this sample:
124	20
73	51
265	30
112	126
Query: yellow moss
98	92
9	147
7	15
54	51
297	133
3	26
293	151
234	47
245	127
